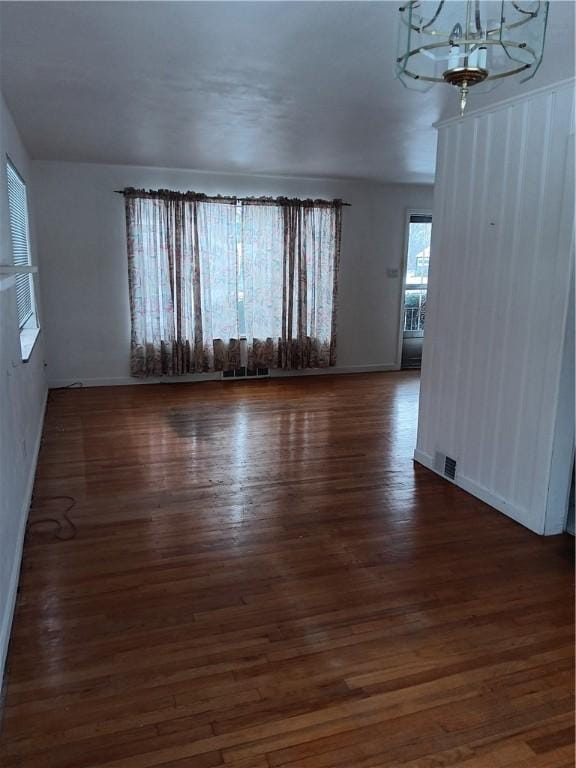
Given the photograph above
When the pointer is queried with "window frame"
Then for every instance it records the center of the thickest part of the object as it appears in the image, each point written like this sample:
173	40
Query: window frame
409	213
28	328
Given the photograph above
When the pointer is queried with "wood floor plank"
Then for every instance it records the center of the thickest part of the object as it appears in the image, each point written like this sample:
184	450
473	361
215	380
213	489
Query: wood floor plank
263	578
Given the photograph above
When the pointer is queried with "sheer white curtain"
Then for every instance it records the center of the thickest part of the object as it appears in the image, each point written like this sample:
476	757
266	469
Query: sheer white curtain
182	261
210	285
262	249
150	229
319	251
291	254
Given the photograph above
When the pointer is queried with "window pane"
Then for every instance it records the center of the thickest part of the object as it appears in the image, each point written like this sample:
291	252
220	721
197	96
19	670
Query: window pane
414	310
418	259
418	253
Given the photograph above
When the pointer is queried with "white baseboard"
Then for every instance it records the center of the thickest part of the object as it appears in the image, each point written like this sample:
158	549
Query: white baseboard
122	381
8	613
281	373
501	505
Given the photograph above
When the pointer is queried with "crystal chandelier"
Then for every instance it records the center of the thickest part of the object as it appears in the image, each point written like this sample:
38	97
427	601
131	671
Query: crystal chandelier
473	43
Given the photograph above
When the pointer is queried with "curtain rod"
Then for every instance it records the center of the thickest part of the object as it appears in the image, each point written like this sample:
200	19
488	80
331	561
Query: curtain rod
201	196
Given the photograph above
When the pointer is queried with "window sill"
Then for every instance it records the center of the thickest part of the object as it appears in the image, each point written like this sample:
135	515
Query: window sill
28	338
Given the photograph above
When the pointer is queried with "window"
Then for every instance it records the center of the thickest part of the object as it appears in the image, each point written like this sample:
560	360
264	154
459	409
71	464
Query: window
206	273
18	211
416	284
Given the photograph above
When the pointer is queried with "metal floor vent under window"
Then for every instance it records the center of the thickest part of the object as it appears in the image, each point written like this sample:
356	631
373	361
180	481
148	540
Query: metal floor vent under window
246	373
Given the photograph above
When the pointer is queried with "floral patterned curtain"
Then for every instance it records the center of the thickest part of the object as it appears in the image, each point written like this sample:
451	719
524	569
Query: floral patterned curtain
197	263
183	284
291	255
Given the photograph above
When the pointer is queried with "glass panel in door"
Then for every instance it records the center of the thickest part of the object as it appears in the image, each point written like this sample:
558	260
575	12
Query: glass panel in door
415	289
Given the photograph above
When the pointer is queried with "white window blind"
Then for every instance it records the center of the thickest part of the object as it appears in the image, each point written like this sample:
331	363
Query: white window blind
18	208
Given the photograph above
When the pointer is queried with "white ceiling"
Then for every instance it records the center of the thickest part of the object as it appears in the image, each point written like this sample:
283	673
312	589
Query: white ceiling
297	88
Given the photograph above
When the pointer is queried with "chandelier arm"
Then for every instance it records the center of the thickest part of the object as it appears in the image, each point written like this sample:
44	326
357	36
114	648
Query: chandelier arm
529	16
427	79
433	19
477	18
511	58
533	14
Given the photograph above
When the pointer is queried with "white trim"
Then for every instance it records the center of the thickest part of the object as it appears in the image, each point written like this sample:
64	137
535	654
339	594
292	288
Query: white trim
505	103
28	338
8	269
562	440
122	381
403	267
501	505
10	603
280	373
198	378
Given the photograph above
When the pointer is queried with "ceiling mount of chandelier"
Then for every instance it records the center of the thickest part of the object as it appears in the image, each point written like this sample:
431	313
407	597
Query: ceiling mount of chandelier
475	43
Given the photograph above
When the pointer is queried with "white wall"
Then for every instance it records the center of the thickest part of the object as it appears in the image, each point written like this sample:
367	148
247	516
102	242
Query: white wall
498	303
22	397
82	236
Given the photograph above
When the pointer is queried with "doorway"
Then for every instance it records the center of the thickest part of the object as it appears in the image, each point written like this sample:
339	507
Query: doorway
415	288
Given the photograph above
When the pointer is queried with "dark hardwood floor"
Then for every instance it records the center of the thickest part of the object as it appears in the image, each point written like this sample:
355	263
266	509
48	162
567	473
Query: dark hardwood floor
262	578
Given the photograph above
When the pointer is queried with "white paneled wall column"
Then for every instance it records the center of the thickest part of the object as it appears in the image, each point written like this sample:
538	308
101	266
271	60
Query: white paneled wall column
494	368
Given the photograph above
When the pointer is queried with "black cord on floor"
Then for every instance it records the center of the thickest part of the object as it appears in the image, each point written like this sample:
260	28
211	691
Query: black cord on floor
74	385
73	530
